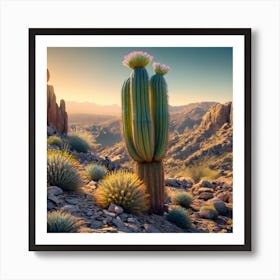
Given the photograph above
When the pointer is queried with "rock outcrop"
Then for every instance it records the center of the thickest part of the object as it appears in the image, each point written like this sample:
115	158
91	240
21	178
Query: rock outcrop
216	117
57	117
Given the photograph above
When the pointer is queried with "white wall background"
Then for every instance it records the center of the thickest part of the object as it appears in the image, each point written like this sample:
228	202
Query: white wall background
16	262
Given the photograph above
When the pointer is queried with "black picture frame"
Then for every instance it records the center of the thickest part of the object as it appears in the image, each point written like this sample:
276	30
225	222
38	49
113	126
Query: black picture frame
246	32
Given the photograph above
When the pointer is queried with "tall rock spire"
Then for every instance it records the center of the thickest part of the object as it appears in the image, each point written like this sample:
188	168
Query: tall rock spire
57	116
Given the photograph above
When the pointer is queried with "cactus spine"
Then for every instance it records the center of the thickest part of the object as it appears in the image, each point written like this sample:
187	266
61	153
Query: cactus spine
145	123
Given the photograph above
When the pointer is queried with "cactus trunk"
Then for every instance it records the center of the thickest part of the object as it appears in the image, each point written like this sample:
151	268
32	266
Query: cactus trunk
153	177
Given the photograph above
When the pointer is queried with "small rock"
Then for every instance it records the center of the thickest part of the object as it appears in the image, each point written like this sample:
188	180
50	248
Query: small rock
108	219
89	213
150	228
97	224
50	205
123	216
120	225
206	184
179	182
109	213
115	209
53	198
131	220
205	196
220	207
133	227
72	201
70	208
203	189
224	196
54	190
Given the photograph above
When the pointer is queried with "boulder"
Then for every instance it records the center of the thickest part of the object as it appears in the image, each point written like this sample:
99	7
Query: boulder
179	182
206	184
54	190
205	195
220	206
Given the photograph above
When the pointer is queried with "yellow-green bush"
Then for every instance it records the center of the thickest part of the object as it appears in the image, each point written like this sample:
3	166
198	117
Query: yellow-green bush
198	172
55	140
95	171
62	170
59	221
124	189
183	199
208	212
80	141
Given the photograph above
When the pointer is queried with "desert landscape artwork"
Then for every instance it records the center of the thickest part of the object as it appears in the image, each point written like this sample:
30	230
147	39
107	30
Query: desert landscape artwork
140	145
136	154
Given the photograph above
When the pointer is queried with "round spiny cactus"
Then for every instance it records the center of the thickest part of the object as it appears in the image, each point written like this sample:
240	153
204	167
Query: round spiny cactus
124	189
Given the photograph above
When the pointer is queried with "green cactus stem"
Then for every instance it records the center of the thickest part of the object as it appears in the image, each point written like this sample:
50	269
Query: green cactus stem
127	123
159	106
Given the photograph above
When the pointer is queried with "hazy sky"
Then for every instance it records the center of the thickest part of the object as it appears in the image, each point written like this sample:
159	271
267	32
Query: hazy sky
96	74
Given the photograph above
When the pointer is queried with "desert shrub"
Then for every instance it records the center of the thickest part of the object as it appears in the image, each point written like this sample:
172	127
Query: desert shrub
55	140
179	217
124	189
183	199
198	172
62	170
80	140
208	212
76	143
95	172
59	221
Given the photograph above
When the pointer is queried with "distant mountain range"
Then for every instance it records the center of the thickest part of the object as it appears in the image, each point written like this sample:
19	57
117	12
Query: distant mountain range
90	108
198	133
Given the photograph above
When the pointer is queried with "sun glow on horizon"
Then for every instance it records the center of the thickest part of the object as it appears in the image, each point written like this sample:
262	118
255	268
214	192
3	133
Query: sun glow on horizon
95	75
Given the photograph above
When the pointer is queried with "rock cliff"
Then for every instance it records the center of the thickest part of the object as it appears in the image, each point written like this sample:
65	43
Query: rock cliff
57	117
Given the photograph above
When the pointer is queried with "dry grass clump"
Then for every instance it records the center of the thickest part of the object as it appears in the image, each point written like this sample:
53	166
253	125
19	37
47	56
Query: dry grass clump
62	170
59	221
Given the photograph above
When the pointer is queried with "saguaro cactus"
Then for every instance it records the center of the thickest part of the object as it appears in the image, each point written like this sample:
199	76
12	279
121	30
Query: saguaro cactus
145	123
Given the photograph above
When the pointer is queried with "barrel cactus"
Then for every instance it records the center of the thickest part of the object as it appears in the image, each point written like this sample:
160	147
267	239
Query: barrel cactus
145	123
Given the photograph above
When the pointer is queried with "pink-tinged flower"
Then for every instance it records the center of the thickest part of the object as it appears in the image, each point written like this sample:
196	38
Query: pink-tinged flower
137	59
161	69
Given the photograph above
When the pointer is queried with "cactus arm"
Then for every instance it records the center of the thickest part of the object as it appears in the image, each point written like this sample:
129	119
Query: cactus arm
143	133
126	119
159	105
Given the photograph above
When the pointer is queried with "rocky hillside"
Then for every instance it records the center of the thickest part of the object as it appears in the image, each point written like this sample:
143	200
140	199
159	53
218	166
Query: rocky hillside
197	135
211	139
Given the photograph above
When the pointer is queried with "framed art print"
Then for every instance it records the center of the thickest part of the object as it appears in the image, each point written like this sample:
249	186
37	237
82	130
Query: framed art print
140	139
